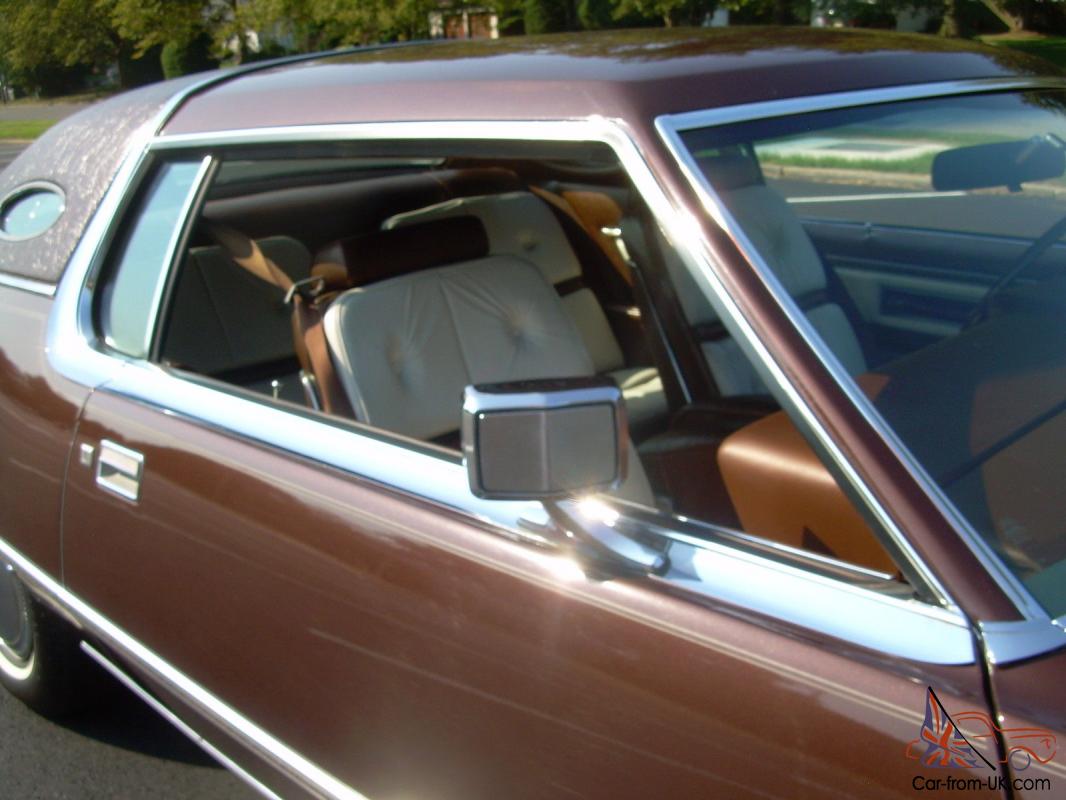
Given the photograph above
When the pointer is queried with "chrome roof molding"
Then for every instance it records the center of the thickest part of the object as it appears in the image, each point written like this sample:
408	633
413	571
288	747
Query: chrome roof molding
671	127
27	284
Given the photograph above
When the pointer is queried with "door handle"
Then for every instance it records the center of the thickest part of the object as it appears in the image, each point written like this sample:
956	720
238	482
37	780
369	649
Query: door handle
119	470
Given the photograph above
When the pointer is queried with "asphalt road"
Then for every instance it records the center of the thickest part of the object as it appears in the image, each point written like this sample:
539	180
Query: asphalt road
123	751
8	151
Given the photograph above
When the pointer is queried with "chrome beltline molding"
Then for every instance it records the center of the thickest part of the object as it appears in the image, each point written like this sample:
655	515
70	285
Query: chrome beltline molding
28	284
126	680
1006	642
671	126
258	740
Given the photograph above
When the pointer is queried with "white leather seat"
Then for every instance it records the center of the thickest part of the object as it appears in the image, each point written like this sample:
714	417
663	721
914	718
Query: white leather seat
780	238
405	348
521	224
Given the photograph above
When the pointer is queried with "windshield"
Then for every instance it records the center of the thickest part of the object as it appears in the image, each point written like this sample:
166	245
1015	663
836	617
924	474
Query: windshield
923	241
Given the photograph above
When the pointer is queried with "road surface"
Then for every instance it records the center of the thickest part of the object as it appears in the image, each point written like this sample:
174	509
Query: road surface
124	750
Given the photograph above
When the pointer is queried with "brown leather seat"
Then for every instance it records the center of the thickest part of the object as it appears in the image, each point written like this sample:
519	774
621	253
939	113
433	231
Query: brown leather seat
781	491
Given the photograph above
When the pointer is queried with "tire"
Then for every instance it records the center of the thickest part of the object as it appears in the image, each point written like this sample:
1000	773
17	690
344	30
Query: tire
40	660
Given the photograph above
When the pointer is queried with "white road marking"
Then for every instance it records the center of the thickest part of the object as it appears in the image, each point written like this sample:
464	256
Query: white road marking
851	198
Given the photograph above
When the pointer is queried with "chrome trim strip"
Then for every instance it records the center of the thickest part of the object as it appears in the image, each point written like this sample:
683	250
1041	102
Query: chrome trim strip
120	675
670	128
790	398
27	284
225	716
904	627
788	107
1007	642
369	454
171	252
26	188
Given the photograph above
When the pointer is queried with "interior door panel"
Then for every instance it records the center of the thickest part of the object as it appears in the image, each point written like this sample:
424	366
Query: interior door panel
913	286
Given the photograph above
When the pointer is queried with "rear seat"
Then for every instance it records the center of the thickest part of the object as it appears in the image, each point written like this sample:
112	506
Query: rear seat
520	224
405	348
226	321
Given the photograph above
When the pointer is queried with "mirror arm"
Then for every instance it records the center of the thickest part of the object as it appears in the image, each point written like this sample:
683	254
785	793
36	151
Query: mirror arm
590	527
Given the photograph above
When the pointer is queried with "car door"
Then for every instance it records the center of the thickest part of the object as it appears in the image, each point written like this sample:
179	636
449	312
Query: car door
335	612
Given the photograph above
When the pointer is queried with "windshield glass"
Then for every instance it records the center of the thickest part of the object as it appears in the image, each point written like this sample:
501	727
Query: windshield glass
923	241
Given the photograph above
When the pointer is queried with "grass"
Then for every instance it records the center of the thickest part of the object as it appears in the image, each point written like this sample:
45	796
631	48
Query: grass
24	128
1052	48
918	165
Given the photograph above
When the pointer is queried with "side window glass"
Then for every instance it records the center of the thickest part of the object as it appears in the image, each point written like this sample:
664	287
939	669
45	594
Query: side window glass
373	290
922	242
130	298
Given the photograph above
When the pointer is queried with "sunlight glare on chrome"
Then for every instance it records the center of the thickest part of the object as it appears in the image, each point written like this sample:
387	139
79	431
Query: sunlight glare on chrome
597	511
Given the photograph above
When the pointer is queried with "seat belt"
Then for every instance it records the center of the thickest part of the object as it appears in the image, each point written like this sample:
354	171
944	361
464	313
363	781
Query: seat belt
319	379
593	212
247	255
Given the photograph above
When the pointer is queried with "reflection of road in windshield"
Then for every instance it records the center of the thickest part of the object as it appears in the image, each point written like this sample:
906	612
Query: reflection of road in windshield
1017	214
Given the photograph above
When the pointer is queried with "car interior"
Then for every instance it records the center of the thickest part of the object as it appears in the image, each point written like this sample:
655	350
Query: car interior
375	289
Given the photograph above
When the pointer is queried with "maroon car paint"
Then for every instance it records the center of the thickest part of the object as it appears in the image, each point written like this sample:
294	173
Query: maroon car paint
460	664
38	416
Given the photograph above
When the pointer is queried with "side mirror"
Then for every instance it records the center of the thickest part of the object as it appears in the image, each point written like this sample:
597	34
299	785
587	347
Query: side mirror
545	439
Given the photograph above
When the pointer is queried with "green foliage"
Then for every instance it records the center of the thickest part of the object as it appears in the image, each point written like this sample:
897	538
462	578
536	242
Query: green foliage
1052	48
668	12
24	128
50	45
548	16
178	58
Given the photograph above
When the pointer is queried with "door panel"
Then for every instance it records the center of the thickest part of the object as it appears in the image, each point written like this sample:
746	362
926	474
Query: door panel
913	286
1032	703
414	653
38	412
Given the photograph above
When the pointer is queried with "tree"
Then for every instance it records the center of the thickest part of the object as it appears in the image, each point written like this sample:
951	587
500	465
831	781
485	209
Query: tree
548	16
671	12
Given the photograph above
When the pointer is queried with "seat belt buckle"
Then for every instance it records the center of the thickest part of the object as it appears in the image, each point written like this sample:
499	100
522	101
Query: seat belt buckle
308	289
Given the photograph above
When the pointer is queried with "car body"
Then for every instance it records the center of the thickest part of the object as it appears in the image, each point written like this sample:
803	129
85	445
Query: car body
271	534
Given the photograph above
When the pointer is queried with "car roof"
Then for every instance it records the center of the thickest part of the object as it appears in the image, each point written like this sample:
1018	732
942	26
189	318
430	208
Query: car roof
634	74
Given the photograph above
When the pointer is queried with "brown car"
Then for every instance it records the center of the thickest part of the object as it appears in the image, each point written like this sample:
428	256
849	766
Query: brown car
648	414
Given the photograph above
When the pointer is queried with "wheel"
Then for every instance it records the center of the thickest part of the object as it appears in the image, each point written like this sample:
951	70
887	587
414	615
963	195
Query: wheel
40	660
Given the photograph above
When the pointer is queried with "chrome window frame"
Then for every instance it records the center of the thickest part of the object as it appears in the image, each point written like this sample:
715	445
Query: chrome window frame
1004	641
922	632
24	189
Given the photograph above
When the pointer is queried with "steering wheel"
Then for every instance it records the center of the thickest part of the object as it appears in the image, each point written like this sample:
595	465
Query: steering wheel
1025	260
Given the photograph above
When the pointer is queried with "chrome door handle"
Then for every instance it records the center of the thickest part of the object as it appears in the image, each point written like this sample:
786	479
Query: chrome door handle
119	469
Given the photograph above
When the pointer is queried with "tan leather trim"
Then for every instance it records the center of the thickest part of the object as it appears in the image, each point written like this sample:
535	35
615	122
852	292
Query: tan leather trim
246	254
782	492
309	338
597	211
597	207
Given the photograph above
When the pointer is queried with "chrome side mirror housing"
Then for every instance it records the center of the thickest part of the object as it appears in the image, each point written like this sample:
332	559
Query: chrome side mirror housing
544	439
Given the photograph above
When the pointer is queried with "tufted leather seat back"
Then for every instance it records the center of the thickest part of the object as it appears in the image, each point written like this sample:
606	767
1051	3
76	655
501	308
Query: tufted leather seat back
780	238
406	347
521	224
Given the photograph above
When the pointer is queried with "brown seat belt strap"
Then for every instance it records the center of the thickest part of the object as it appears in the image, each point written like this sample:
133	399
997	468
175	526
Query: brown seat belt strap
312	350
308	336
247	255
592	211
